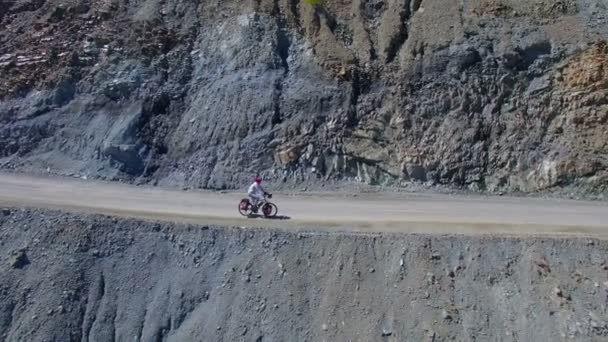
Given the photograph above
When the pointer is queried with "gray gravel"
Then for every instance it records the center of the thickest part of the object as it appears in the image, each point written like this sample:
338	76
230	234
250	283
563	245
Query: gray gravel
98	278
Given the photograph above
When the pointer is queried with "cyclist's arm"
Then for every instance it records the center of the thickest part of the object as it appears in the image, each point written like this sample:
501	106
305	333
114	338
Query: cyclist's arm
266	193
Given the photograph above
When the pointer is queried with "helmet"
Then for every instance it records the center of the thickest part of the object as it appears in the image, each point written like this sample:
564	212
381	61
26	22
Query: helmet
258	179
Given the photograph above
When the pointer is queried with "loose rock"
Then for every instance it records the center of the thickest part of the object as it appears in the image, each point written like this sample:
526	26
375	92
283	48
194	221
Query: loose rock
19	259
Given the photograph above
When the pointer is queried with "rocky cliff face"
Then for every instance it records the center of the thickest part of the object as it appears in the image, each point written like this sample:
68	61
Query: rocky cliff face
505	95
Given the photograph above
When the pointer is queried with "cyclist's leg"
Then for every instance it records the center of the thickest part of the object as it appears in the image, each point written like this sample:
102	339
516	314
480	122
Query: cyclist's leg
255	202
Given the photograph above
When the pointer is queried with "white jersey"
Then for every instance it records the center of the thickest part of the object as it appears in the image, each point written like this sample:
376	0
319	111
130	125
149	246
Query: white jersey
256	190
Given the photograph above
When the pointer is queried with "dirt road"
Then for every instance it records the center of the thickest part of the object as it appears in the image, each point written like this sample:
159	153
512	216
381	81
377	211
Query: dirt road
386	212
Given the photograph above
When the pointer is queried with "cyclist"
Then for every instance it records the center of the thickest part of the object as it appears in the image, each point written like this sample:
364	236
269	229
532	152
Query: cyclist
257	193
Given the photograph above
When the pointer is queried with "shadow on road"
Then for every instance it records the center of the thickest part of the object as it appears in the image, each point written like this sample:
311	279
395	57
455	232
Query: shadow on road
278	217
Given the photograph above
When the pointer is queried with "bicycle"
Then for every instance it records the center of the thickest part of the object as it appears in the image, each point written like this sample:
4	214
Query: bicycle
269	210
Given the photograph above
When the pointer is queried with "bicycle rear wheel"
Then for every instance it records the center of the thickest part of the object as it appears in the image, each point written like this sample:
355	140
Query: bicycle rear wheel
245	207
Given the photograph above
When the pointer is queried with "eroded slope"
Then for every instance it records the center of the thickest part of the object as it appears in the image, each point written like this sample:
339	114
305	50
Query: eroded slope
91	278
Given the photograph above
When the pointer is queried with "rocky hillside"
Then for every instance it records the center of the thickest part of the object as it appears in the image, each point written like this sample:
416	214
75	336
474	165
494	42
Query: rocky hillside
91	278
495	95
